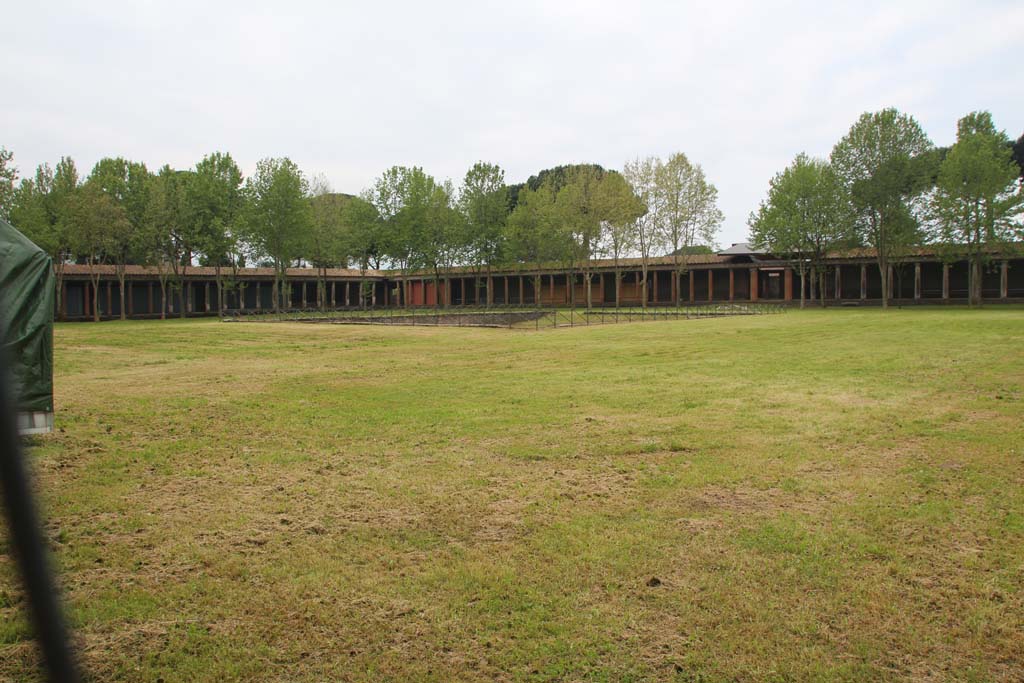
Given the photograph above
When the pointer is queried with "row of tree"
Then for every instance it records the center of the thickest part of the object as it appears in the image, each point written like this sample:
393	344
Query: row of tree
122	215
886	186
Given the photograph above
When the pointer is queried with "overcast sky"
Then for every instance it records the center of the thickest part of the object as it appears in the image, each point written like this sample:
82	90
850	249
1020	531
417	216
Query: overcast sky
349	89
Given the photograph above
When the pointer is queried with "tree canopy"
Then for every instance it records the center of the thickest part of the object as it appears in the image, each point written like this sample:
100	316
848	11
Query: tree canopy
884	186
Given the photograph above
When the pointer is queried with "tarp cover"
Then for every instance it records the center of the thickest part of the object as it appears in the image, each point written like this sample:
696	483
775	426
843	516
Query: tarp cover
26	318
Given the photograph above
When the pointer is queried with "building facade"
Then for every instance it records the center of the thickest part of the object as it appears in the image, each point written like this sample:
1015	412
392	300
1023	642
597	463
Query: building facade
738	274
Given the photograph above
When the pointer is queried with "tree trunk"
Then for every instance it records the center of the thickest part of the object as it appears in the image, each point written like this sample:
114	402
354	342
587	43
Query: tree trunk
643	287
220	292
322	290
976	281
489	295
120	282
883	268
58	271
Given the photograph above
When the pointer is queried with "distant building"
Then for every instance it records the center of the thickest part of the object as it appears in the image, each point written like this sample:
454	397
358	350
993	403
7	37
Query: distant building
737	274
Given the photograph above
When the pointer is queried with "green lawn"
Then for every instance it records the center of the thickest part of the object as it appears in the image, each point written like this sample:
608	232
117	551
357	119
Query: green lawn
826	495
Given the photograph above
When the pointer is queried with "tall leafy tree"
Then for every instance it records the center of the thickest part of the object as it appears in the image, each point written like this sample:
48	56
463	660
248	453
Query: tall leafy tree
166	215
388	196
30	208
363	227
876	163
443	238
804	216
688	213
327	245
532	235
8	176
279	220
978	197
1018	155
642	176
402	196
100	225
40	210
575	203
65	185
214	203
484	200
29	213
127	184
590	199
618	208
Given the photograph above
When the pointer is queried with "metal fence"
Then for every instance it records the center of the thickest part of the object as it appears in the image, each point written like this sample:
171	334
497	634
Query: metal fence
512	317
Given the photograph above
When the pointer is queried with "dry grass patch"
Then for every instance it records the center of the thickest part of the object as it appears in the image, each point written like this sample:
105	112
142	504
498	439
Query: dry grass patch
823	496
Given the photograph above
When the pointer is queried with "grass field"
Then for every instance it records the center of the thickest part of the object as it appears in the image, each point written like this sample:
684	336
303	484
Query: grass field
826	496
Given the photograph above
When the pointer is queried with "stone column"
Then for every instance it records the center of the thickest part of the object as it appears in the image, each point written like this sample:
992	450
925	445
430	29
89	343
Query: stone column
787	285
732	284
654	286
711	285
945	281
917	282
753	284
1004	280
110	299
128	297
207	297
839	283
149	295
863	282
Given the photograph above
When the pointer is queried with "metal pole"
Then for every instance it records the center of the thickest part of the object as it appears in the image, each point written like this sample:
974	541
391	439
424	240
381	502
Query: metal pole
29	546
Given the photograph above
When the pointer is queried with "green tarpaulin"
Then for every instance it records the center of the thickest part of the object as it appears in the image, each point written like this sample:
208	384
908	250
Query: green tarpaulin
26	319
